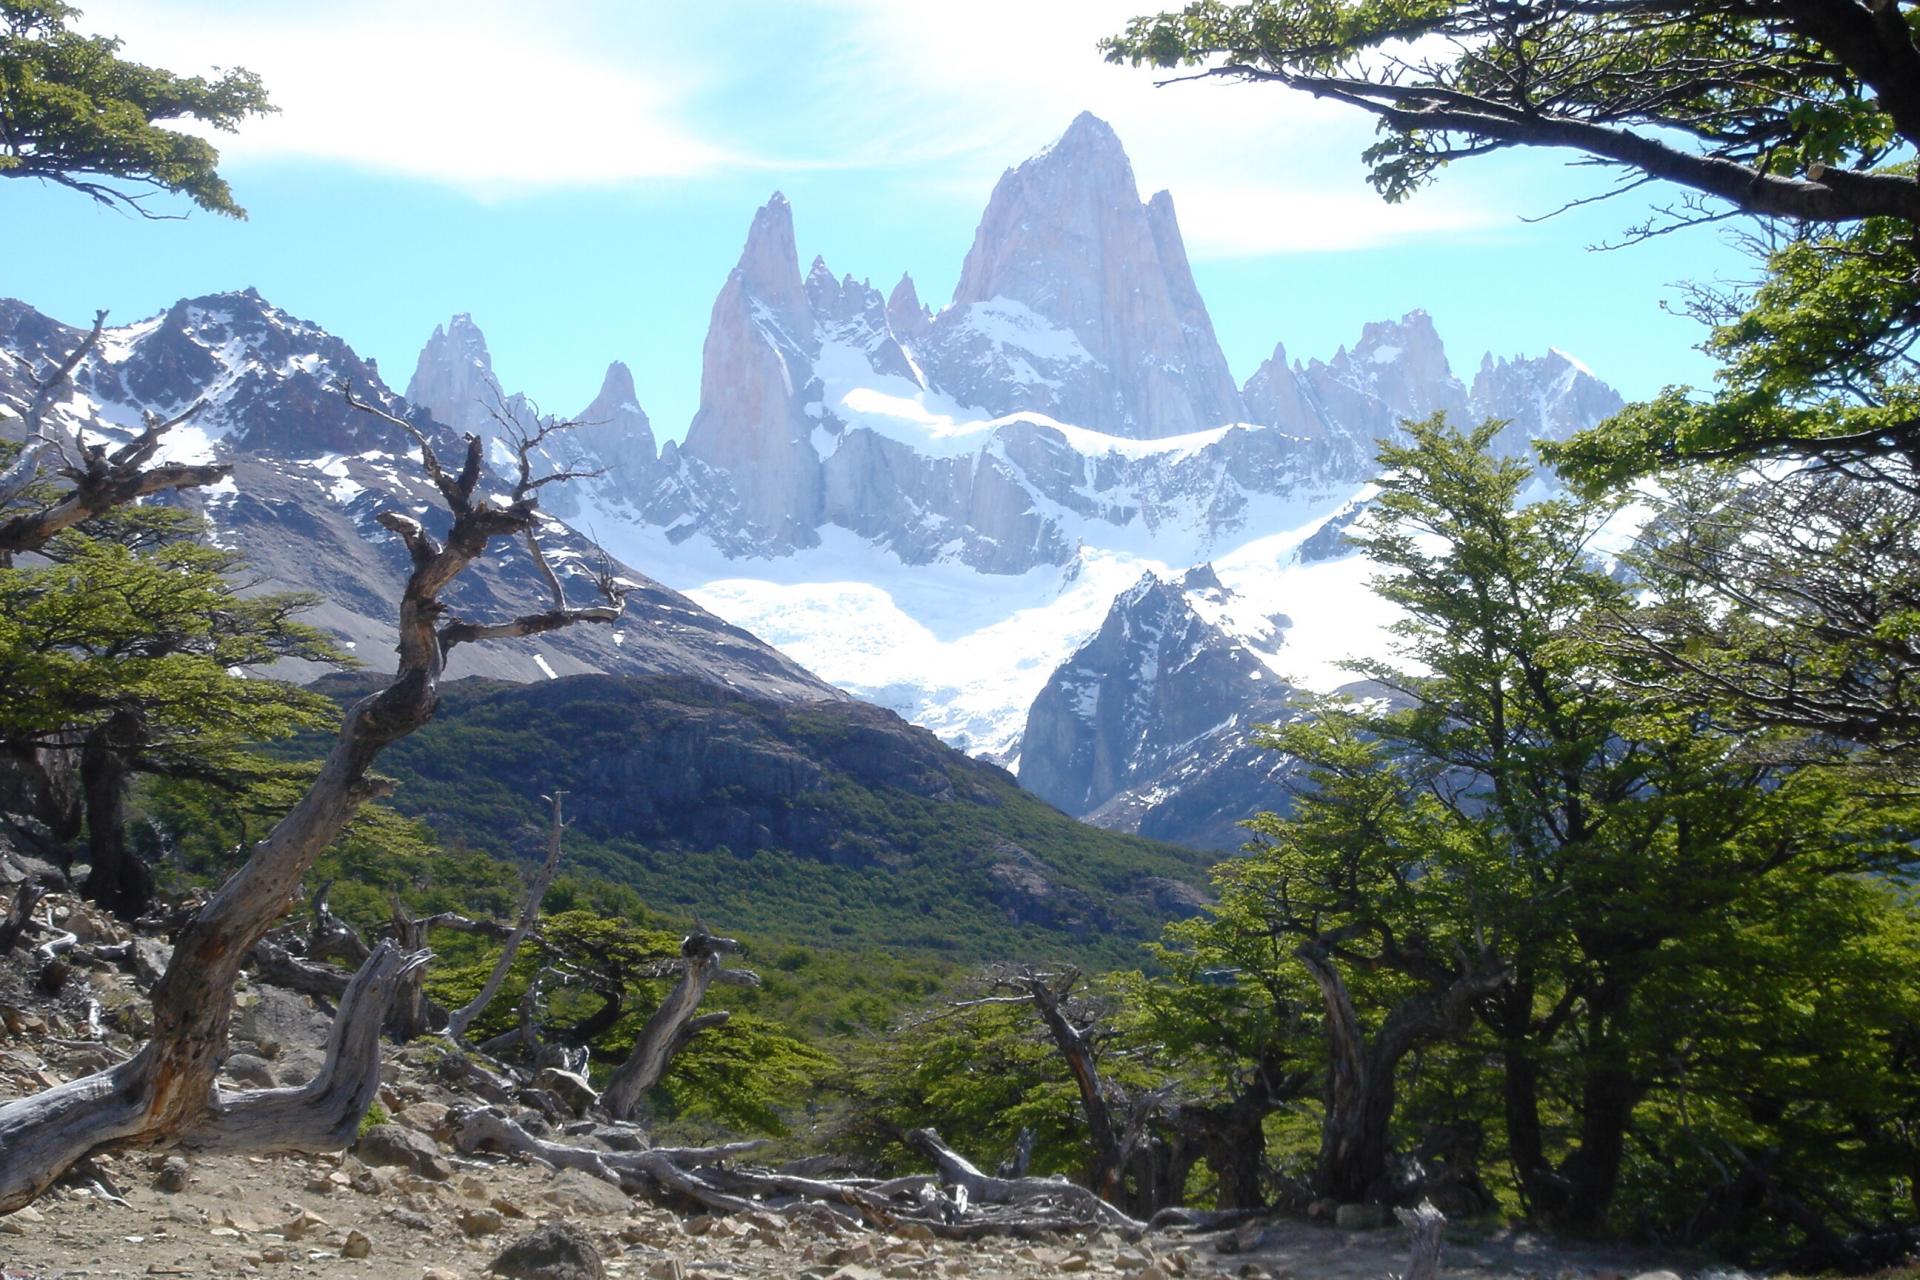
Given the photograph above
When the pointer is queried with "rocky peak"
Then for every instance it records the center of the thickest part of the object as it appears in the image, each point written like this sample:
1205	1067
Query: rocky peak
617	430
1162	673
769	268
1277	396
1076	300
756	370
906	315
1540	398
453	378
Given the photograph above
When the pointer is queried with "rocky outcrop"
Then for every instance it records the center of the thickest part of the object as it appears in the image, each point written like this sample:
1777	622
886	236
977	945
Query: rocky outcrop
1540	398
453	377
755	371
615	432
1076	301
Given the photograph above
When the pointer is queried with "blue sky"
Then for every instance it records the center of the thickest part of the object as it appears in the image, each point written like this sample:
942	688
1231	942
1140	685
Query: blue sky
580	176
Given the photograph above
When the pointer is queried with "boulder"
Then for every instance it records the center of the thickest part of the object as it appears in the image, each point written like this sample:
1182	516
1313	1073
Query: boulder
393	1145
556	1251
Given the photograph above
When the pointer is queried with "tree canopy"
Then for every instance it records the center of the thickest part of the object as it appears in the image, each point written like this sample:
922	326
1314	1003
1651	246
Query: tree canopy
75	113
1803	113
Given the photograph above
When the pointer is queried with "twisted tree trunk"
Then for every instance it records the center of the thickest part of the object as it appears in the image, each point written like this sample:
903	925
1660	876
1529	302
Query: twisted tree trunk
672	1024
165	1091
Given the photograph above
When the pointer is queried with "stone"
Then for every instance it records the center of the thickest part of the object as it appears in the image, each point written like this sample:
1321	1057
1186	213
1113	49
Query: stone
665	1269
582	1193
482	1222
430	1118
249	1069
391	1145
356	1245
571	1089
174	1174
555	1251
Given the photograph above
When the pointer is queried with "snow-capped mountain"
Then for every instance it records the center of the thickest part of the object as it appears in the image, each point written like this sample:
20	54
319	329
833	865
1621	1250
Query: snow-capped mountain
310	473
946	511
454	381
1165	692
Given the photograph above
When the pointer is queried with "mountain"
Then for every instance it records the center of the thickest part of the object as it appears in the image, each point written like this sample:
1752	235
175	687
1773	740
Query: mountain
825	822
611	448
935	508
1144	728
310	473
1076	301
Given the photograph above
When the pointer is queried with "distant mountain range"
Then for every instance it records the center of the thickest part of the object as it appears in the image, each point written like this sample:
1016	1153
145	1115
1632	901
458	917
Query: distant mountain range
1043	520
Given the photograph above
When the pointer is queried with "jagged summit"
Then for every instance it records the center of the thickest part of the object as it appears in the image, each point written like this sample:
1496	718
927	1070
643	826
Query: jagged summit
453	378
1076	300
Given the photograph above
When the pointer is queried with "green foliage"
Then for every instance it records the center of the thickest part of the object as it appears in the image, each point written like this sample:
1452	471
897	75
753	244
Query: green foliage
907	868
108	627
1818	360
1709	947
376	1115
73	112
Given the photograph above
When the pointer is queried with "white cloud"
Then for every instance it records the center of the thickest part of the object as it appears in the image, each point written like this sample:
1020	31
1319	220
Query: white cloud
497	97
1253	169
490	97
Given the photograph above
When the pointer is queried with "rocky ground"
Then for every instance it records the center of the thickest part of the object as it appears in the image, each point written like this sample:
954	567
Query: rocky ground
406	1205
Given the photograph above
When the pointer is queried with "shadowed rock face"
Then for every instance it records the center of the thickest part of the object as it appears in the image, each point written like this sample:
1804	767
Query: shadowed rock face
1076	301
1156	686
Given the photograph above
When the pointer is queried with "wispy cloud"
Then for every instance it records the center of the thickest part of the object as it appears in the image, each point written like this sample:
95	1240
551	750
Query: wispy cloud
489	97
497	98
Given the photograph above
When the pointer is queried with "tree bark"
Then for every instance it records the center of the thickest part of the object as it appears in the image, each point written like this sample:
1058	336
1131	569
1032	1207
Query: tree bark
463	1017
165	1090
1107	1174
1361	1073
662	1037
119	881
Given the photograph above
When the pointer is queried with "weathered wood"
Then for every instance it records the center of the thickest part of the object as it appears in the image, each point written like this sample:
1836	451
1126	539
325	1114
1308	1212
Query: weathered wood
166	1089
667	1031
956	1169
463	1017
1426	1227
324	1114
274	964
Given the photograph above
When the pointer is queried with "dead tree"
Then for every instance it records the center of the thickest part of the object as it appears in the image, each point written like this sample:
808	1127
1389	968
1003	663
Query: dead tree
673	1024
164	1094
98	478
463	1017
1426	1227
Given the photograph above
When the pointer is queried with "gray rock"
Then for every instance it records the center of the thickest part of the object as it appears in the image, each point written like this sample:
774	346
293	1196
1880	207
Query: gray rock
556	1251
582	1193
248	1069
389	1145
174	1175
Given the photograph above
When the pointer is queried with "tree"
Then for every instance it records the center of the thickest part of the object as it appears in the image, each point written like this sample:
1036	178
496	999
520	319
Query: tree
164	1093
1522	817
1371	881
75	113
1798	112
124	647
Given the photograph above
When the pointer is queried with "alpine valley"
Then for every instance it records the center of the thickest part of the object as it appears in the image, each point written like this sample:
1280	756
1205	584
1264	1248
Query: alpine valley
1044	521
